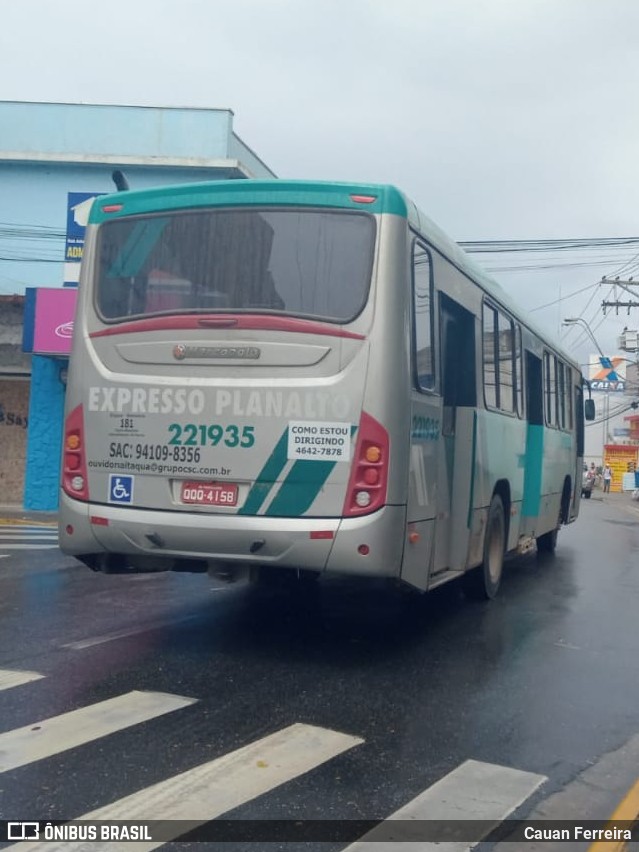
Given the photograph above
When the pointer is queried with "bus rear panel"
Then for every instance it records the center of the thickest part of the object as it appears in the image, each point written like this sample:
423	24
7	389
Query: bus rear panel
216	412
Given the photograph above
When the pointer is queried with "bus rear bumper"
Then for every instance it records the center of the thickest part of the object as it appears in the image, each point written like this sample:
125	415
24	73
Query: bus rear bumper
367	546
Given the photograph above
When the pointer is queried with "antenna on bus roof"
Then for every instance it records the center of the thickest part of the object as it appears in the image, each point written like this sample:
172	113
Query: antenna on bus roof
121	183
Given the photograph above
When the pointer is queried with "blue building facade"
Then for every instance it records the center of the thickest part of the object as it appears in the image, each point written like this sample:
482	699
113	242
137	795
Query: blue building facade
52	155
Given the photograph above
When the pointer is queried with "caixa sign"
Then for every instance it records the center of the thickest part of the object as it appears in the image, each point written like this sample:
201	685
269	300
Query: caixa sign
605	385
48	320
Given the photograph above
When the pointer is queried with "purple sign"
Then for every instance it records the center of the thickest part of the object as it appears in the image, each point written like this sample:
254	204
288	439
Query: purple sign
53	329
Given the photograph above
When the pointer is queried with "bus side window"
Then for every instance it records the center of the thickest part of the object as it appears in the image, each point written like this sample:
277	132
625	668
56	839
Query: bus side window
549	389
506	363
424	368
457	346
489	348
534	390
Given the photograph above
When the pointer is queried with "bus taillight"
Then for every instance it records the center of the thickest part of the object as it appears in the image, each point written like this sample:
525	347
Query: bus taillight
74	468
369	472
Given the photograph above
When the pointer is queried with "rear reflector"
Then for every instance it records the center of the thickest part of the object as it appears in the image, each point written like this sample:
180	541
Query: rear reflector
367	484
112	208
74	467
321	534
98	521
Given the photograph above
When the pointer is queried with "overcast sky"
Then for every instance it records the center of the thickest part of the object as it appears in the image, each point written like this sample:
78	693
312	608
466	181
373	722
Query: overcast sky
503	119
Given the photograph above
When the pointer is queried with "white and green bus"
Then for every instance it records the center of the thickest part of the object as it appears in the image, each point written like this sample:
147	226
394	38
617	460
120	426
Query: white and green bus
307	377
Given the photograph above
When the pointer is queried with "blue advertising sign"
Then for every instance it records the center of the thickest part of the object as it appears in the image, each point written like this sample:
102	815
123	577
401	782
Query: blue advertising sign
78	208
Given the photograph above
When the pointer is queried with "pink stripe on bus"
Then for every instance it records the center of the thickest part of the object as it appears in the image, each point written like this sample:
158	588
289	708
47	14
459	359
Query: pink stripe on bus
236	321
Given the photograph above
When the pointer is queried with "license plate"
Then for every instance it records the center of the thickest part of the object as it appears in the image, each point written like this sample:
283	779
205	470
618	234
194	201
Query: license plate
209	493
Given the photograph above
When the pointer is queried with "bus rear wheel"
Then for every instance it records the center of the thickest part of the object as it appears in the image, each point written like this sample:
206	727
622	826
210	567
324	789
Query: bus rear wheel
482	583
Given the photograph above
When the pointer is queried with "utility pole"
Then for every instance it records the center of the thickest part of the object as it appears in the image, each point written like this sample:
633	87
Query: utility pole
626	285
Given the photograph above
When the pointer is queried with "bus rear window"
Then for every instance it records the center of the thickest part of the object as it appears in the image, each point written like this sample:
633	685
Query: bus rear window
312	263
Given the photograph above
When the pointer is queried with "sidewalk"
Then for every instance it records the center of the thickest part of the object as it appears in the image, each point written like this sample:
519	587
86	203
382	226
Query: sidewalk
18	515
616	498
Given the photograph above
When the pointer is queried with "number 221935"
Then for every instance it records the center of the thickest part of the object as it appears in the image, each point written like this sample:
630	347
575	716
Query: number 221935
203	434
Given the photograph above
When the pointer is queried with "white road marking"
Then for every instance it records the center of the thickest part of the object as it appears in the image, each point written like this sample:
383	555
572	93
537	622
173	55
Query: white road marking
4	546
22	530
12	677
27	538
60	733
472	791
81	644
214	788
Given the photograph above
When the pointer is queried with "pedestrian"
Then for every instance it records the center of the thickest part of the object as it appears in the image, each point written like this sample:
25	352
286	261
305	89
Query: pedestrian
607	477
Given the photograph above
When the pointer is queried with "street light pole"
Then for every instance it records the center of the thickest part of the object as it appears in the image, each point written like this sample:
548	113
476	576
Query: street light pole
582	322
602	358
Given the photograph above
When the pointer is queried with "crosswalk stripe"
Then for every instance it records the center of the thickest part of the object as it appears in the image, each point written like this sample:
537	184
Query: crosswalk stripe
27	546
92	641
60	733
484	792
22	530
211	789
12	677
30	536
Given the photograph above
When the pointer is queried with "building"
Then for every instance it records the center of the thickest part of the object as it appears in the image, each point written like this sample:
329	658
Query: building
54	160
15	371
611	438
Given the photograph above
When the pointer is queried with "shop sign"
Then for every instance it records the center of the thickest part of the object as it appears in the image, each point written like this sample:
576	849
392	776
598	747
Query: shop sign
608	374
78	209
48	320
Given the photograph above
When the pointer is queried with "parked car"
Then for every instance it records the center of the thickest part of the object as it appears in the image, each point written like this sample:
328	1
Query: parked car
588	483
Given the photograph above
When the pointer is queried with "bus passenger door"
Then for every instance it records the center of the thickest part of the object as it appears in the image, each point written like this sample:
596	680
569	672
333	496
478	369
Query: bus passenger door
534	459
456	457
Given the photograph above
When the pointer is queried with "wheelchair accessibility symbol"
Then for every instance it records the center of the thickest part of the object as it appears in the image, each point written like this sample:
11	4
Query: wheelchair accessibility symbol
120	488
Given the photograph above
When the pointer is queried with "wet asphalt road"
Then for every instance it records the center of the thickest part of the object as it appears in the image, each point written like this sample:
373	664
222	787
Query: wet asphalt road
543	679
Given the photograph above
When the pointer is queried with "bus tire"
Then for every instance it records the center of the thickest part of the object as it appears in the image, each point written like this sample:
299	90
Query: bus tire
482	583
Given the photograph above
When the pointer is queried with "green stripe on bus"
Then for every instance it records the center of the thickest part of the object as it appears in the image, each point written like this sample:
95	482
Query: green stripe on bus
267	477
532	471
300	488
369	198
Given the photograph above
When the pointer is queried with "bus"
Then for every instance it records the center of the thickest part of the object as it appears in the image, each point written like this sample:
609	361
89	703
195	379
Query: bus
298	378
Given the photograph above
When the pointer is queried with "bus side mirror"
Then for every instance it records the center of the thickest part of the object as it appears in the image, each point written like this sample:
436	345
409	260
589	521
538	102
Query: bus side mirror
589	409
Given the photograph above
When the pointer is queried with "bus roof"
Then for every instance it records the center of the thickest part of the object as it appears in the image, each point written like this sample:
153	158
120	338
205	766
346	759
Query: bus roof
371	198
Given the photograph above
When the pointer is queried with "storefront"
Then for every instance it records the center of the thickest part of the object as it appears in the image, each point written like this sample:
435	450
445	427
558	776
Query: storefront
14	419
622	459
